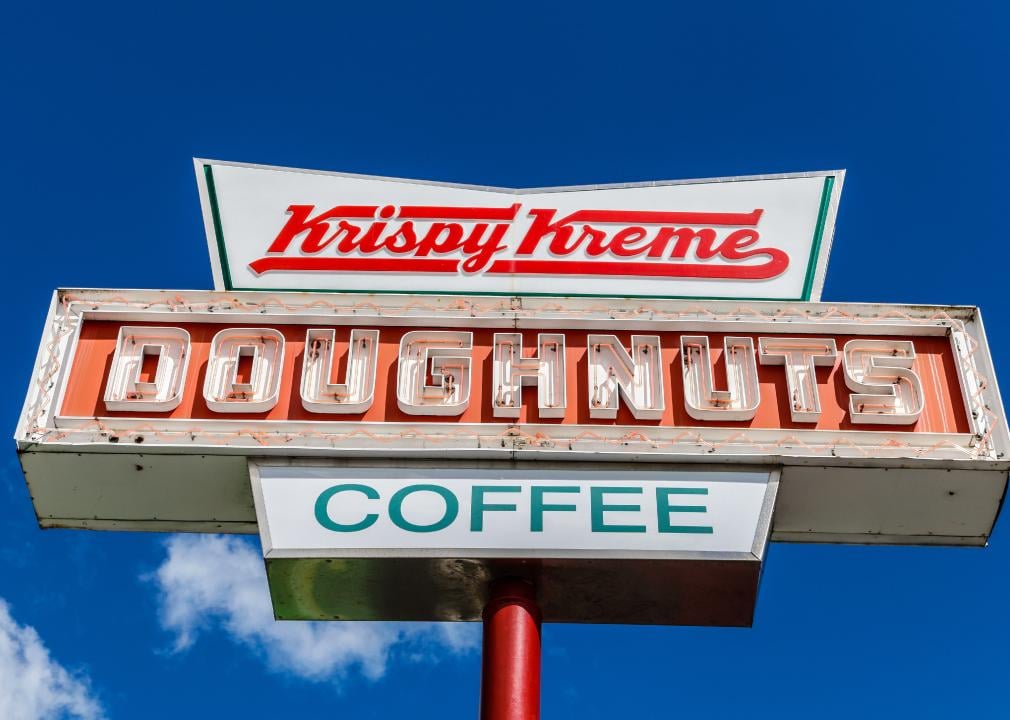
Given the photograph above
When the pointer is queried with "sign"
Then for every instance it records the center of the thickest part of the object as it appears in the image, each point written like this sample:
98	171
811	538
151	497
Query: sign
394	374
627	527
275	228
343	512
862	406
455	409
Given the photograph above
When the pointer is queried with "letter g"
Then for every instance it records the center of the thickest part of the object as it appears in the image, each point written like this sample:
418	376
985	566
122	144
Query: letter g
322	508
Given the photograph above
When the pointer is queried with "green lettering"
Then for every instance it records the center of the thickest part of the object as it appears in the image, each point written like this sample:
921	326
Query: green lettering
598	508
323	502
478	506
664	508
396	508
538	507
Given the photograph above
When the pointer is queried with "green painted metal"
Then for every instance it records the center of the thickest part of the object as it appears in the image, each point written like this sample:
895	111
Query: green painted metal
822	217
208	173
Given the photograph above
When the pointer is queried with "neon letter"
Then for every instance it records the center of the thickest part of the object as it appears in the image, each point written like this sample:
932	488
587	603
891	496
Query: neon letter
701	400
511	371
353	396
637	377
448	354
227	387
886	390
800	356
136	383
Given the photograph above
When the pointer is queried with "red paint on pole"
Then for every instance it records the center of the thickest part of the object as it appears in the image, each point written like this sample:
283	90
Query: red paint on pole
510	674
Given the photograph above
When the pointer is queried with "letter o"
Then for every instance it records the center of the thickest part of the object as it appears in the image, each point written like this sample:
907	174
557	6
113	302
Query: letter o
322	510
396	508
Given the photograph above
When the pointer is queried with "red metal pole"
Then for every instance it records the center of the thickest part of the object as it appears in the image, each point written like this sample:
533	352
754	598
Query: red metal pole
510	671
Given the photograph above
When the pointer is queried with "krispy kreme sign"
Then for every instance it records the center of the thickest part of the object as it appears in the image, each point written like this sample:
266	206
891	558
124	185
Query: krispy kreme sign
762	237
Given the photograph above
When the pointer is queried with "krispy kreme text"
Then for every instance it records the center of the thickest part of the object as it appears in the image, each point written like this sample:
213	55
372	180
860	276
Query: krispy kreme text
397	374
472	240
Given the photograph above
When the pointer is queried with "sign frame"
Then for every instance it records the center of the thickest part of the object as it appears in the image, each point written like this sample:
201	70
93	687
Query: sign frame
42	424
816	262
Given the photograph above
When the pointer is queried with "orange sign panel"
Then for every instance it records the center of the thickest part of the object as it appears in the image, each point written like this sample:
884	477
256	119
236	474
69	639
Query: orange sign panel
929	391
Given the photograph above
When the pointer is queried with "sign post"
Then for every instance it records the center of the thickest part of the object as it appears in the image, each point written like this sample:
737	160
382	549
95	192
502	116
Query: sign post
510	662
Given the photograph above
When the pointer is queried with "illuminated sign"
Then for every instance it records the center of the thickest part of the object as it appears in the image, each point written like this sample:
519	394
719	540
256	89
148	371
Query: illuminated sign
867	404
437	373
751	237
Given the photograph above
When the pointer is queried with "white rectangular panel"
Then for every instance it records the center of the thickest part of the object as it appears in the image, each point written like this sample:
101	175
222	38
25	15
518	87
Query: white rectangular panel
334	511
760	237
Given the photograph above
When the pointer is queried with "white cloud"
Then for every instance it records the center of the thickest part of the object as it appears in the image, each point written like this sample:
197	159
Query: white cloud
219	581
32	684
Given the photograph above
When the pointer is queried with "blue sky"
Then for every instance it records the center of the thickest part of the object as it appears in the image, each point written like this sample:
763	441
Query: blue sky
104	107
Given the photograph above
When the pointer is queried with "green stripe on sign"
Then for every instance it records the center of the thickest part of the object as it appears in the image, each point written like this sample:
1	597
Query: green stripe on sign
815	248
215	212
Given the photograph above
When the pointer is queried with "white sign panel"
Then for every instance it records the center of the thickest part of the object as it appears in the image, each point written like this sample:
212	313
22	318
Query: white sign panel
470	512
762	237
